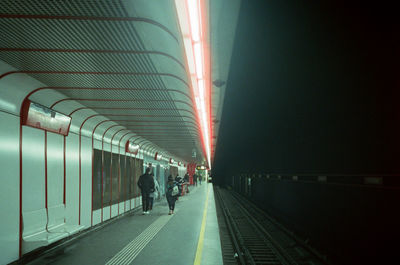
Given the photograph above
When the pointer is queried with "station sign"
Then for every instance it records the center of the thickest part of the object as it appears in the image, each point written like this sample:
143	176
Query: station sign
157	156
131	148
41	117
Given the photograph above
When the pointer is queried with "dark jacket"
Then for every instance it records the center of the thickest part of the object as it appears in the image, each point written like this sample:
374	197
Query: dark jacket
146	183
186	177
170	186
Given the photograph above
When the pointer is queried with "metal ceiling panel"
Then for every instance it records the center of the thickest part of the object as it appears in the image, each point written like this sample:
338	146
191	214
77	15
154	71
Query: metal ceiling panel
116	58
122	56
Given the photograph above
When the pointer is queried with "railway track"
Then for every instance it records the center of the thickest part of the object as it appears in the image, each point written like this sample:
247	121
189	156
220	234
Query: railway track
249	236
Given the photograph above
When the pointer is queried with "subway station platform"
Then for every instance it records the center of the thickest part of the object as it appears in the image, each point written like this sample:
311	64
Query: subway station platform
189	236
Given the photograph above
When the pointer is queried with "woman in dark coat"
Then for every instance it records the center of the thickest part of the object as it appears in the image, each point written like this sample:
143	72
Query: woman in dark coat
171	197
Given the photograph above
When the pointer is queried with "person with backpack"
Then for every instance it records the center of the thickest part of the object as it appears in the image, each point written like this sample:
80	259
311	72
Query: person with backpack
146	185
172	193
179	182
155	193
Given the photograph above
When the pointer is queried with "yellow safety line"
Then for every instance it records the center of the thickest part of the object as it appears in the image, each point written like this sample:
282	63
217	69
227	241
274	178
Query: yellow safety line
197	260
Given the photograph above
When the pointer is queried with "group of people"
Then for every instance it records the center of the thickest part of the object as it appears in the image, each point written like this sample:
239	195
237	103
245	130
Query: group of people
150	188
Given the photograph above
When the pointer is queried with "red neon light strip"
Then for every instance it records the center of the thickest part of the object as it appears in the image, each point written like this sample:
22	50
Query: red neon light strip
20	186
65	175
119	178
80	172
125	176
45	180
119	173
111	175
91	220
130	193
102	174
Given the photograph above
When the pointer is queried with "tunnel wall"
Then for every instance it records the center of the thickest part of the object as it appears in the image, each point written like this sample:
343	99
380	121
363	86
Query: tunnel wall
350	222
9	188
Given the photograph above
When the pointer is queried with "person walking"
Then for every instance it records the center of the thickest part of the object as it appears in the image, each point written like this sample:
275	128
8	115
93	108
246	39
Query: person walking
200	179
146	185
172	193
186	179
195	179
154	194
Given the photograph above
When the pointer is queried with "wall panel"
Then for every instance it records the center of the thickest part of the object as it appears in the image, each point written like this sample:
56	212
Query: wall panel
97	187
33	168
124	178
106	178
55	169
115	179
9	188
72	172
86	181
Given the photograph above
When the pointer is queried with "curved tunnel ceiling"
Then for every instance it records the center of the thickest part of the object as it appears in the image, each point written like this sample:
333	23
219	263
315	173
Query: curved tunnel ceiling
121	60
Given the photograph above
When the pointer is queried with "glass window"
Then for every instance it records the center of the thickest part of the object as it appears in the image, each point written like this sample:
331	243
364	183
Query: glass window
115	184
132	178
97	166
106	178
123	178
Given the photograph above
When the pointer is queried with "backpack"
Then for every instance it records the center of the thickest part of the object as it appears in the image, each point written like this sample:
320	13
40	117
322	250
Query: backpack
175	191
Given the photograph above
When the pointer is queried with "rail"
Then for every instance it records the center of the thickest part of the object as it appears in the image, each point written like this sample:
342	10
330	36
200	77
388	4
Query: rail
258	238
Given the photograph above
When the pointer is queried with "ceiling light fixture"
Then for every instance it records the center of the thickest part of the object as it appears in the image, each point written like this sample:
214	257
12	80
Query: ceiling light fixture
190	14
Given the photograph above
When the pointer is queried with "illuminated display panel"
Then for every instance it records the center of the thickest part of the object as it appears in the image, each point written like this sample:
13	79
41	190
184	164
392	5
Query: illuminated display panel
41	117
